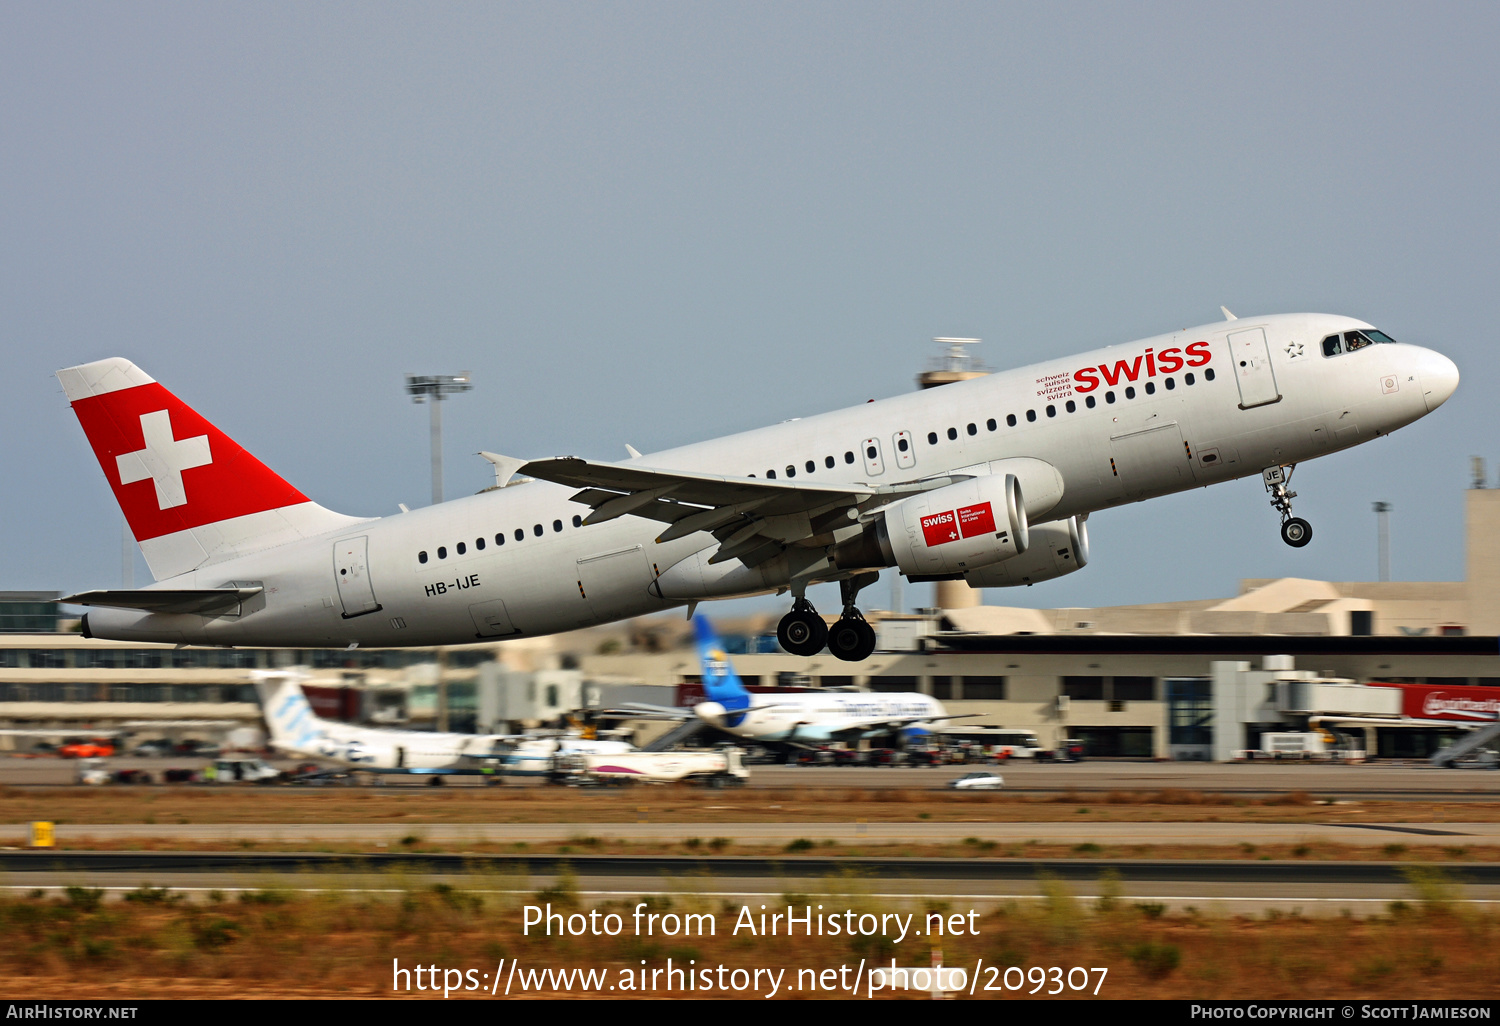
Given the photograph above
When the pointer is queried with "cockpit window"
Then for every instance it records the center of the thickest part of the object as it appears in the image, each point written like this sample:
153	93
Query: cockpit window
1355	340
1331	346
1379	337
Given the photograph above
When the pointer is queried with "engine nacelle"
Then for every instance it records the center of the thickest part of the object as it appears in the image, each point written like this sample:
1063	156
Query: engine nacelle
959	528
1057	548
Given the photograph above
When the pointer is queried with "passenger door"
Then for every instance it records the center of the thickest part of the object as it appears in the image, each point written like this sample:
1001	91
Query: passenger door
1250	356
351	569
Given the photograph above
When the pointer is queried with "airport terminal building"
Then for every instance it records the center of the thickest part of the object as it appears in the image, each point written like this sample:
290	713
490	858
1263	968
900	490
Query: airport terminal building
1189	680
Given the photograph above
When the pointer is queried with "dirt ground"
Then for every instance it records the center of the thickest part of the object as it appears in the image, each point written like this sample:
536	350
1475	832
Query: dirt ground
283	945
287	805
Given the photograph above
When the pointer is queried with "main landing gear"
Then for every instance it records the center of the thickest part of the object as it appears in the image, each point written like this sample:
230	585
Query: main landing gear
802	631
1295	531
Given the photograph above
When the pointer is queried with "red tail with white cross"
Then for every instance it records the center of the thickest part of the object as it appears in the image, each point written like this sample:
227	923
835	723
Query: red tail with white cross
174	473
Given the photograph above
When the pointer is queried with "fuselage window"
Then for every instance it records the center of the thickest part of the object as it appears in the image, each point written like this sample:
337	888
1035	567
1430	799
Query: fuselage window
421	557
771	474
1010	419
901	443
871	453
1208	374
973	430
577	520
932	438
828	462
991	424
849	457
1129	391
1109	397
1170	384
461	548
1089	402
1150	388
442	552
791	471
1072	407
479	544
536	529
1353	340
1188	378
1331	346
500	538
557	525
1030	416
520	533
952	435
811	466
1051	410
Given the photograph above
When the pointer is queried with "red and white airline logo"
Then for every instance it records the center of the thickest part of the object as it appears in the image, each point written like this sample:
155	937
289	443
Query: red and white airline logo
939	529
164	459
171	469
965	522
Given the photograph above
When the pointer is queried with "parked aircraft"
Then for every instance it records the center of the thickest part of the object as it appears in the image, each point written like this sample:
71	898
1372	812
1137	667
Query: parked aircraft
989	481
296	730
792	718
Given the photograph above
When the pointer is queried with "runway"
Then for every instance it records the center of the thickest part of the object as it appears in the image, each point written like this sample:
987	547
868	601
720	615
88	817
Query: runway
1391	779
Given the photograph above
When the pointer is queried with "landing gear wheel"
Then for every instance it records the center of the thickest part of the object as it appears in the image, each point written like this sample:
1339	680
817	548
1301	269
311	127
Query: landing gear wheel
802	632
851	639
1296	532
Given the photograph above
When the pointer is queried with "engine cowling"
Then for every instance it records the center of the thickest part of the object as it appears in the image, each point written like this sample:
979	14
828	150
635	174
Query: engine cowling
959	528
1056	549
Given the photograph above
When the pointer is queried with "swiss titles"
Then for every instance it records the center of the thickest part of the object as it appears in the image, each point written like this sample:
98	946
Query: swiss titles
1147	365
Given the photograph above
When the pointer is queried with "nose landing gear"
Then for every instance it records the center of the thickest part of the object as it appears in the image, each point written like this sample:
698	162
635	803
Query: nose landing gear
1295	531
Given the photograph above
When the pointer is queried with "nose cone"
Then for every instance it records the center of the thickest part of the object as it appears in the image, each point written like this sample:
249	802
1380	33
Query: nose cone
1439	377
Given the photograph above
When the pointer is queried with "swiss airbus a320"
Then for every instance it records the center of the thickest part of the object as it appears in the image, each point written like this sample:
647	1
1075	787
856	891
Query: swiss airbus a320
989	481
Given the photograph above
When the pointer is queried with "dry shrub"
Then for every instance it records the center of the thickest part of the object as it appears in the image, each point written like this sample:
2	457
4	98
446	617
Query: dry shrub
1292	798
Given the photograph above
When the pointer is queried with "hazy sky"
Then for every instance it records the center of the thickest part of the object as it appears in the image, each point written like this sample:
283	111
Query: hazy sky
657	223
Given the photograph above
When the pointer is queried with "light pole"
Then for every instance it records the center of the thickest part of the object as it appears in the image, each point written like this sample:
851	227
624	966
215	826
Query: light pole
1382	512
434	388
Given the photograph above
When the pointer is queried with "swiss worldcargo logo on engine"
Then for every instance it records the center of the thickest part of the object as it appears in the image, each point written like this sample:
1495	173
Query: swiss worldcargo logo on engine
966	522
939	528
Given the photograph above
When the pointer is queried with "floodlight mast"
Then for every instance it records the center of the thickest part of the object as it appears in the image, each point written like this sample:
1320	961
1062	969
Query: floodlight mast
435	388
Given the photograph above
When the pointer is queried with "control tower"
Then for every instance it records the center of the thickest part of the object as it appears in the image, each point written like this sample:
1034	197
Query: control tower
956	364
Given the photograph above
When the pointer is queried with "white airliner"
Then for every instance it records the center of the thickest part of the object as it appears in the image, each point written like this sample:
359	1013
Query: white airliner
988	480
796	719
296	730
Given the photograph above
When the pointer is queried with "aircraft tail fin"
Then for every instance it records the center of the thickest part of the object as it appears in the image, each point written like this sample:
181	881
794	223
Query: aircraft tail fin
720	683
191	495
290	720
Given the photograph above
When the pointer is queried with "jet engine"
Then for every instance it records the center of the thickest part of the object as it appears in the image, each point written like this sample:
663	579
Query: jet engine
950	530
1055	549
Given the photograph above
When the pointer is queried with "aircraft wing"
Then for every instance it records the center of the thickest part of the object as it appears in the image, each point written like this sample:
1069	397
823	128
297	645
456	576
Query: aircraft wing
644	711
166	600
896	723
754	519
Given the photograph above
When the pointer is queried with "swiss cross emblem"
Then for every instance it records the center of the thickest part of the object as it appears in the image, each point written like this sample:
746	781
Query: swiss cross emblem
163	459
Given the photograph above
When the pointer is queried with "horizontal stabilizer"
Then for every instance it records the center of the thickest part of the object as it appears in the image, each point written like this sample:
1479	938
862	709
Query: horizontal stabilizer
204	601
